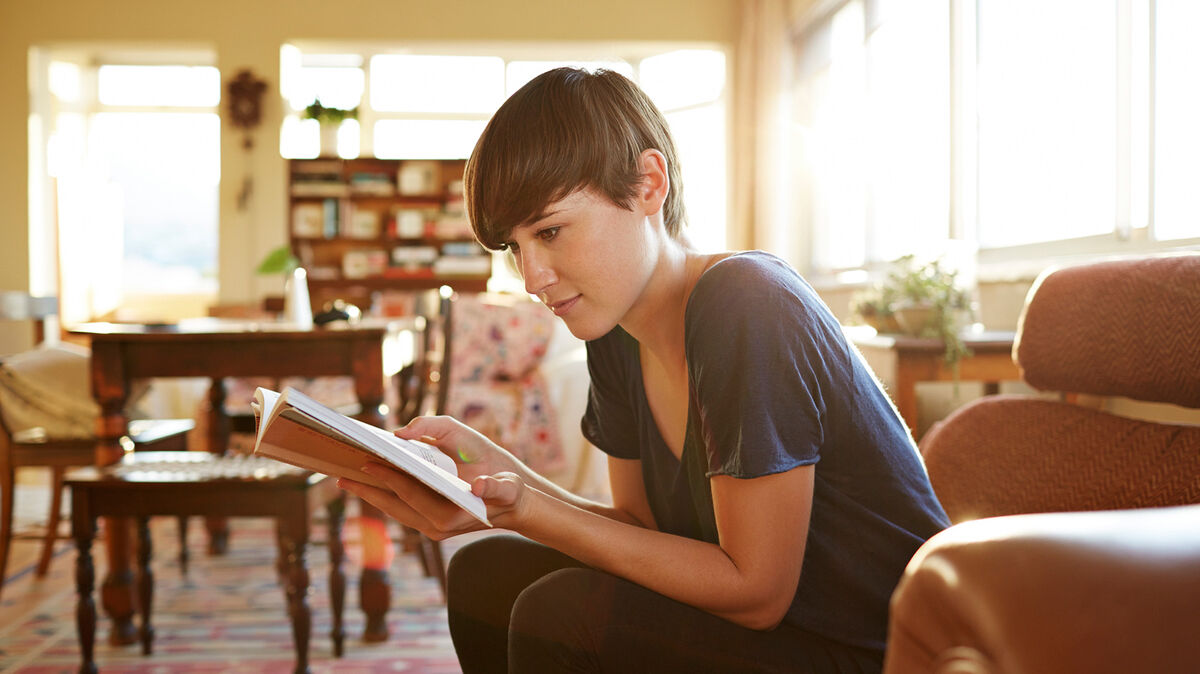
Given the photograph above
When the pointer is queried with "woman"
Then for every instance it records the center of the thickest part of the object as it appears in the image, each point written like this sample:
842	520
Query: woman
766	495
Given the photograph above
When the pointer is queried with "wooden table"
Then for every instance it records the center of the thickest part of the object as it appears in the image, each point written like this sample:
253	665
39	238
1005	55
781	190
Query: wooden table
145	484
218	348
901	362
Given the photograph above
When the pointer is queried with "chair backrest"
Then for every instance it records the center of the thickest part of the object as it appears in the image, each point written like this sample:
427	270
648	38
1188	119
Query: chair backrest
1010	455
1126	328
424	384
16	305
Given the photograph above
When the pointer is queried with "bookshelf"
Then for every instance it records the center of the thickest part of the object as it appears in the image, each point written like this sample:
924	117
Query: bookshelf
360	226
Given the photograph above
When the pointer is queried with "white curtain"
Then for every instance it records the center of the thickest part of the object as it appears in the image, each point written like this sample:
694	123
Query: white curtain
760	143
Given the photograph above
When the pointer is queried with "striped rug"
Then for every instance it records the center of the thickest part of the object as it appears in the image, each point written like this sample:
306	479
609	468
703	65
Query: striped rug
227	615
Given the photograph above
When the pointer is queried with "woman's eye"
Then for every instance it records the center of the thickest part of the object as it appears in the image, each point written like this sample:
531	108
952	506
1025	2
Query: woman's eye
548	233
511	247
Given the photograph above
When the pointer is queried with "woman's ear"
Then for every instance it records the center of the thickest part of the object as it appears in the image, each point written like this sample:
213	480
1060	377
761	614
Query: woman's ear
655	185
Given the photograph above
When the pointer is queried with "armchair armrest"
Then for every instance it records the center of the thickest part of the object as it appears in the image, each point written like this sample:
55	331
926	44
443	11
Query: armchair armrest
1111	591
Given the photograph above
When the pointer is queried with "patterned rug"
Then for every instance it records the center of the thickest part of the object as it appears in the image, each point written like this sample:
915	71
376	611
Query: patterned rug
227	615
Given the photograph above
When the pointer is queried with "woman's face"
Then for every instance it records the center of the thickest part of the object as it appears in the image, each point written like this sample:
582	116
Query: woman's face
587	259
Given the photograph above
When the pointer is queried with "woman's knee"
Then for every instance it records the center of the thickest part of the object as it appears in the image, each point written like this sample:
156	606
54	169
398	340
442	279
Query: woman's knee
559	620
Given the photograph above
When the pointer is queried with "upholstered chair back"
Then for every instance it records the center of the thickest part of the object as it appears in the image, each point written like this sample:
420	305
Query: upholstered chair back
1123	328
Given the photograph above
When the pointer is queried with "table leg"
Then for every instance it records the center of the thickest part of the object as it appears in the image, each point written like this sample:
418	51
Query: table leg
110	388
117	592
145	583
218	443
84	530
374	590
373	586
336	510
294	539
906	394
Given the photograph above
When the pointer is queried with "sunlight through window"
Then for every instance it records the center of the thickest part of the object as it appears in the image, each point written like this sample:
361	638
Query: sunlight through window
1177	109
163	86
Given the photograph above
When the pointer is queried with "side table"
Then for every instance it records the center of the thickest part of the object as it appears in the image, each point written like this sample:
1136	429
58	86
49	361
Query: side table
145	484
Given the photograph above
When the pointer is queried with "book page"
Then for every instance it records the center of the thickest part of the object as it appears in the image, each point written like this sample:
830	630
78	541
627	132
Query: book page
264	407
424	462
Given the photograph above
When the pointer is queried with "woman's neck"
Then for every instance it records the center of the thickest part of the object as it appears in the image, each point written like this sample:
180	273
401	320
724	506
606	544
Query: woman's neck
657	320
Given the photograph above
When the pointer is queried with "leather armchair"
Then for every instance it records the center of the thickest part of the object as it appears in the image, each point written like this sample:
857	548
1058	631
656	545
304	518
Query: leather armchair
1106	591
1107	577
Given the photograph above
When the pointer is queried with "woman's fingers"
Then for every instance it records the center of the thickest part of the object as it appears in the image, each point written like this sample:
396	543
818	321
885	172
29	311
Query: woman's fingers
435	428
387	502
462	443
439	511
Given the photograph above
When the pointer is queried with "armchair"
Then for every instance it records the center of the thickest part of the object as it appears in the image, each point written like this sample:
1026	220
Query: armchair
1071	591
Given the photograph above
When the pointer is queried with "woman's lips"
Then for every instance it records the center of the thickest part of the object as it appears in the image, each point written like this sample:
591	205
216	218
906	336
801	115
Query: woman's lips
560	308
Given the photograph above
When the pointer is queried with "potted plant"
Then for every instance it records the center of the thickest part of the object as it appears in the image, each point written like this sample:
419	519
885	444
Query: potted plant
875	307
925	300
329	119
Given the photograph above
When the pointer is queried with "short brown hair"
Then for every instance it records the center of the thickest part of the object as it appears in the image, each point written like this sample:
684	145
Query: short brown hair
565	130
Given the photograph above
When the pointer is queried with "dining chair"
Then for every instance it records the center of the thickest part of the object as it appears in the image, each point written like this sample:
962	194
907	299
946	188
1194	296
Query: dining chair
33	449
45	420
424	389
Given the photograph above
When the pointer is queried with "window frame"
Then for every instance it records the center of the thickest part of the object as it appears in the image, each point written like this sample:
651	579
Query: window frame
1133	230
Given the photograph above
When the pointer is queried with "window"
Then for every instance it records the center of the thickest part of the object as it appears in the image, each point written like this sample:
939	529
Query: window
872	119
1047	120
434	106
1021	127
1176	111
132	145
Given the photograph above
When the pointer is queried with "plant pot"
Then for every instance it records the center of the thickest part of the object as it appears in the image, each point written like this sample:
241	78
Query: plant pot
914	319
329	140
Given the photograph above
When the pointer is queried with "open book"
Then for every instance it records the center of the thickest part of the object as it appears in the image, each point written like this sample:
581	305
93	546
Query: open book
296	429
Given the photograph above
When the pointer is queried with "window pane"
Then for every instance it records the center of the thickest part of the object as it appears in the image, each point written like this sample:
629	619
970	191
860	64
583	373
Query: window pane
197	86
426	138
1177	109
700	141
908	122
684	77
166	168
64	81
835	148
340	88
1047	120
520	72
404	83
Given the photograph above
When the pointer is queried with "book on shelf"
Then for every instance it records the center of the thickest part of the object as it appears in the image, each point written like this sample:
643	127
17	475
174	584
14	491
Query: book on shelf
463	265
294	428
308	220
363	223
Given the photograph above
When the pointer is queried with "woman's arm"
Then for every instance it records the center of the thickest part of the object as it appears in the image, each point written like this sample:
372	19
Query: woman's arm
750	578
474	455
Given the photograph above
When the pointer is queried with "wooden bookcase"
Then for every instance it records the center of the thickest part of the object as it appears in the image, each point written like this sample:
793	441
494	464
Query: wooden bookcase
360	226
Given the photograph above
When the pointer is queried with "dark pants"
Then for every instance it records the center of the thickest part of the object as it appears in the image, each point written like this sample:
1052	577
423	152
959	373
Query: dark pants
518	605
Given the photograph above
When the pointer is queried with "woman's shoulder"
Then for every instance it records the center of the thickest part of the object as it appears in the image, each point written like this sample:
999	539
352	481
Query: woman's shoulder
746	281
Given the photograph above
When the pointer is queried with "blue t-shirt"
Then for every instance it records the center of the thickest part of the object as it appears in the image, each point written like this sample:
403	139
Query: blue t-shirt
774	384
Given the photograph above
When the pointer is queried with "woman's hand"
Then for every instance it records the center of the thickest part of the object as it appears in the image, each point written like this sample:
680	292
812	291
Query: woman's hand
415	505
473	453
494	474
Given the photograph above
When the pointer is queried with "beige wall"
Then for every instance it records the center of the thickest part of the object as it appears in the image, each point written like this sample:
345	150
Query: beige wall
247	34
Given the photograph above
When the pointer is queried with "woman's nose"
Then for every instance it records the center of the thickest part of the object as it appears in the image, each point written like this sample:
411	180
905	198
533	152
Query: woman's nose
536	271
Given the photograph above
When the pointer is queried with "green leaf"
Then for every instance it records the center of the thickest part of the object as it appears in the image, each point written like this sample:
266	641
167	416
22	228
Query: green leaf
278	261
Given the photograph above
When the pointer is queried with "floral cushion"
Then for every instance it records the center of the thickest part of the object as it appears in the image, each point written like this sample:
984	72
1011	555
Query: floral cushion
498	338
495	384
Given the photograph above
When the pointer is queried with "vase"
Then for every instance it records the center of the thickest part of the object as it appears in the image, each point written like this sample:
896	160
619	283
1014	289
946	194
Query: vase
329	140
297	308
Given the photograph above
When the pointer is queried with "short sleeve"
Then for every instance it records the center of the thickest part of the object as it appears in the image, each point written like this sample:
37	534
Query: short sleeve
757	349
609	421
